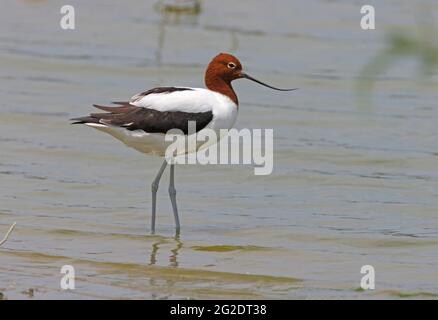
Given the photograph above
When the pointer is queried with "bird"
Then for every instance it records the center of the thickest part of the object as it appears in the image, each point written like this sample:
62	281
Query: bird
142	122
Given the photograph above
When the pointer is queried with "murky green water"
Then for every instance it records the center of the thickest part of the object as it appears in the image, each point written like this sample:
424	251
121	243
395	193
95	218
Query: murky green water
350	186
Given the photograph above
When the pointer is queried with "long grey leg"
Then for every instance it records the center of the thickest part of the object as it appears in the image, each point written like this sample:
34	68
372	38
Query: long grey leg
172	194
154	188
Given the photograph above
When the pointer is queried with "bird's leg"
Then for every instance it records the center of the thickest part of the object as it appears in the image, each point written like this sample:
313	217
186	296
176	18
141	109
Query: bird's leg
172	194
154	188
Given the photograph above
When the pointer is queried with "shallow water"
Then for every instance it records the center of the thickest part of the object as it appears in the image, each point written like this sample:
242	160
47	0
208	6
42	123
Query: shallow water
350	186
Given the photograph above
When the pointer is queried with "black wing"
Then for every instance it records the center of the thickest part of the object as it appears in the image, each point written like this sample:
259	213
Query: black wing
150	120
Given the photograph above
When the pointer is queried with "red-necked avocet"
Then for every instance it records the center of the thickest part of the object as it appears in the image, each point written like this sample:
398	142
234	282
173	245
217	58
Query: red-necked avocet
142	122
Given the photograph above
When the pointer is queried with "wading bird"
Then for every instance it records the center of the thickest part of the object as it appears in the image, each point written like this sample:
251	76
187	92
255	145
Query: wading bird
142	122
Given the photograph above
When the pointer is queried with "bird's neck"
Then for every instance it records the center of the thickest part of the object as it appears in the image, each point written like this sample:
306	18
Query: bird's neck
220	85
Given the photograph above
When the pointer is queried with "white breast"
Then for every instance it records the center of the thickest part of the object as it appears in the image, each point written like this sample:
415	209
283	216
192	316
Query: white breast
224	111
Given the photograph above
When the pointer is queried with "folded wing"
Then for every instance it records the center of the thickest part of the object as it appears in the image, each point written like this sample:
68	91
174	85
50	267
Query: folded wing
144	111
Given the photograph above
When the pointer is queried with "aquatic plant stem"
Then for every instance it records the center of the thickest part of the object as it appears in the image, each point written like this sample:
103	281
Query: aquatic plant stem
7	234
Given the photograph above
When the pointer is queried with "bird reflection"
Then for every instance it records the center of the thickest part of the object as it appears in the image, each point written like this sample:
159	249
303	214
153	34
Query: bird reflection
174	12
173	257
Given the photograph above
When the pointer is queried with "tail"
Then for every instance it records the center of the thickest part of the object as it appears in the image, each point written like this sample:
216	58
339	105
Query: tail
84	120
98	118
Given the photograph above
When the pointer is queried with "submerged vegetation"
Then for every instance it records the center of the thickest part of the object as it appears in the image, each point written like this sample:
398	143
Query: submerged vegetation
420	45
227	248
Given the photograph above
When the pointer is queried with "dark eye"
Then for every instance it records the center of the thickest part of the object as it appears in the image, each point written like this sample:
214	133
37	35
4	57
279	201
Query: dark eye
231	65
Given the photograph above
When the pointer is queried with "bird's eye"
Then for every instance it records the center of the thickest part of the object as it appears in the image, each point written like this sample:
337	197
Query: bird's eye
231	65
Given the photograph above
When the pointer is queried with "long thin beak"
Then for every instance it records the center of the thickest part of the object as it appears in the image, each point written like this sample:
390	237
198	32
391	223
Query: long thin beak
244	75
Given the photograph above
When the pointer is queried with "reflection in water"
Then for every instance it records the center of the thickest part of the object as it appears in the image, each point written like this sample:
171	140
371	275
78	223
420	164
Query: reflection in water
173	257
192	7
175	13
173	262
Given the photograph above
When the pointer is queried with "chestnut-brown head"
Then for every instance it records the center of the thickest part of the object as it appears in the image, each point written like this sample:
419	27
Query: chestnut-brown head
225	68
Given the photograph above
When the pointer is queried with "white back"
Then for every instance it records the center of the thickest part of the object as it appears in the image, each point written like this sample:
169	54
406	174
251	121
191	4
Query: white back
194	100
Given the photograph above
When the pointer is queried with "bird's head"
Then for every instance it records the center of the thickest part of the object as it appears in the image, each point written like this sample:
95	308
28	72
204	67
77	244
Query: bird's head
228	68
